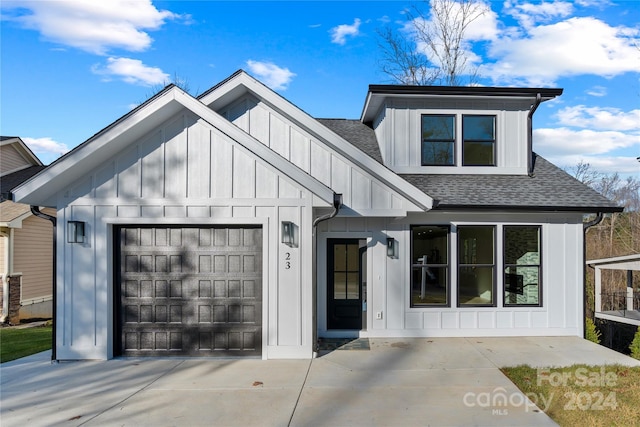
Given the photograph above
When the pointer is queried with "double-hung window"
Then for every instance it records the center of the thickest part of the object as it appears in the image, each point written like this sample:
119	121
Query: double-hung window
522	278
476	265
438	140
429	265
441	141
478	140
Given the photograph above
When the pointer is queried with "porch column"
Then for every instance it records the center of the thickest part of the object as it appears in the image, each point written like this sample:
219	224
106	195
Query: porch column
598	290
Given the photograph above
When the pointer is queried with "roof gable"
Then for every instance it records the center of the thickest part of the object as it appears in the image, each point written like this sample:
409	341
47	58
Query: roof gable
240	83
15	155
116	137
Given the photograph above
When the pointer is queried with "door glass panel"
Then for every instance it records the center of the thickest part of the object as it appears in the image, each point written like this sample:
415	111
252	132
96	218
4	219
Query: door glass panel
339	288
340	257
353	286
353	260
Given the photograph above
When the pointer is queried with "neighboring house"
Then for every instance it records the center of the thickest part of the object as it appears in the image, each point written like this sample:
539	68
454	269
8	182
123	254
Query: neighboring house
236	224
26	241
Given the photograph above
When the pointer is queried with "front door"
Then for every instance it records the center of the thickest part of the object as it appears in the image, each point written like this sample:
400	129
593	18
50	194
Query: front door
346	283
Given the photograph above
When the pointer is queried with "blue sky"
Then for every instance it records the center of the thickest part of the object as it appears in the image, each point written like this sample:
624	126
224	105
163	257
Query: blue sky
70	68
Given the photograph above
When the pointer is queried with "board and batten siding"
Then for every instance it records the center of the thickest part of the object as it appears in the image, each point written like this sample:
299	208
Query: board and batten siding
399	122
362	193
186	172
11	160
389	279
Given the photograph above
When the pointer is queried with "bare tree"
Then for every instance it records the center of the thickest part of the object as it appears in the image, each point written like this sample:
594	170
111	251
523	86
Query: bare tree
433	51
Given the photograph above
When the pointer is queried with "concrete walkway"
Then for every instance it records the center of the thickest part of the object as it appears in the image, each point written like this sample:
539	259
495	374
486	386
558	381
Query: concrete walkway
397	382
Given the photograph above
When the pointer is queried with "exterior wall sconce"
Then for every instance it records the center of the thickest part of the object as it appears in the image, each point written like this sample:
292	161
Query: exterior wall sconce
391	247
75	231
289	233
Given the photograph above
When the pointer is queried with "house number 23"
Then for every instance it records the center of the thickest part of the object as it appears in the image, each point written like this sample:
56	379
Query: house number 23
287	260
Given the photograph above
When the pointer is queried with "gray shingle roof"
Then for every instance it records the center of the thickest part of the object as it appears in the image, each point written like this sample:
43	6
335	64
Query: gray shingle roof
12	180
550	188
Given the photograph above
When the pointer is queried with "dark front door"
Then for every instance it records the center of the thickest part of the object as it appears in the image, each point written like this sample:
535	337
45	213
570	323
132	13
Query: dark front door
345	280
189	291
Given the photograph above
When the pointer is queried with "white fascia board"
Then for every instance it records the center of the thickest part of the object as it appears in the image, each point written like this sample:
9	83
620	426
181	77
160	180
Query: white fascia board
323	134
257	148
42	188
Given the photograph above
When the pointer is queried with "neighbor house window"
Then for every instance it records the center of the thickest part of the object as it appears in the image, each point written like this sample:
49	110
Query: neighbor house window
438	140
478	140
429	265
476	265
522	279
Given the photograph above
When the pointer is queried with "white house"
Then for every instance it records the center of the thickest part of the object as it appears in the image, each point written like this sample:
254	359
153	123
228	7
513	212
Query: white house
236	224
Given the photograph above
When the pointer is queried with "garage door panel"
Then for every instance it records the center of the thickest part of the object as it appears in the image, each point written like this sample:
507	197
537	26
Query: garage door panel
190	294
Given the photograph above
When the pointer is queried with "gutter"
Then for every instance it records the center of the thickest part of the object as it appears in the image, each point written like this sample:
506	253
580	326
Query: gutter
533	109
337	204
585	227
36	211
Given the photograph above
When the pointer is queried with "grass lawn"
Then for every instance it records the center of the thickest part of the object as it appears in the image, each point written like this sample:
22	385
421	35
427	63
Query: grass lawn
17	343
583	395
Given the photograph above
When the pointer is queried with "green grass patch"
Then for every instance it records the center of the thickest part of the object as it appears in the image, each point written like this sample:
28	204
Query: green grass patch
581	394
20	342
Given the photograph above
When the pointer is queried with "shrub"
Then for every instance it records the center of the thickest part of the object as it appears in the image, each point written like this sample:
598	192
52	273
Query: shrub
635	345
592	333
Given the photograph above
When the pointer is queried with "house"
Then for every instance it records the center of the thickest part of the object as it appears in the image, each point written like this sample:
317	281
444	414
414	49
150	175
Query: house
236	224
26	242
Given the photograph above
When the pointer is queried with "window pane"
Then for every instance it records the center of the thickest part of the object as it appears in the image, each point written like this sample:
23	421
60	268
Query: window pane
478	154
432	242
353	286
522	285
438	140
475	245
428	285
340	257
437	153
475	285
353	258
478	128
339	286
429	265
522	245
438	128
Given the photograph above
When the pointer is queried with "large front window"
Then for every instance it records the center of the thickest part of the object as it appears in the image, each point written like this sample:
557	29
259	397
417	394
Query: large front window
429	265
476	262
522	265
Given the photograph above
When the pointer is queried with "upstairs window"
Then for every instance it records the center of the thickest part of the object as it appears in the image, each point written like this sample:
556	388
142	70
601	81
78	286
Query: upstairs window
441	141
438	140
478	140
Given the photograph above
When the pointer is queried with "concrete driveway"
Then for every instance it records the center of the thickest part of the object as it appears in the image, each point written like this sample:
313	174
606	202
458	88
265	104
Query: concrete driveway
396	382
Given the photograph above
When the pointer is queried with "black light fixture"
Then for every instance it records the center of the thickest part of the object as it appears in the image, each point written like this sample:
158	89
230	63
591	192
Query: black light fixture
75	231
288	233
391	247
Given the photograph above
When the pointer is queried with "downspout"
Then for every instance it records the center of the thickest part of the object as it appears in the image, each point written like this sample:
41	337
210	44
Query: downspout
585	227
337	204
533	109
54	309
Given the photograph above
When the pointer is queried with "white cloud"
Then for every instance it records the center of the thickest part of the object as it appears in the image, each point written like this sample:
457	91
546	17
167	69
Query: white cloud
576	46
529	14
340	33
46	148
275	77
599	118
90	25
131	71
565	141
597	91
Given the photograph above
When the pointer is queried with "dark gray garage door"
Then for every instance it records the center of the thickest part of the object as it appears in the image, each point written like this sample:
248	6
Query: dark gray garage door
189	291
